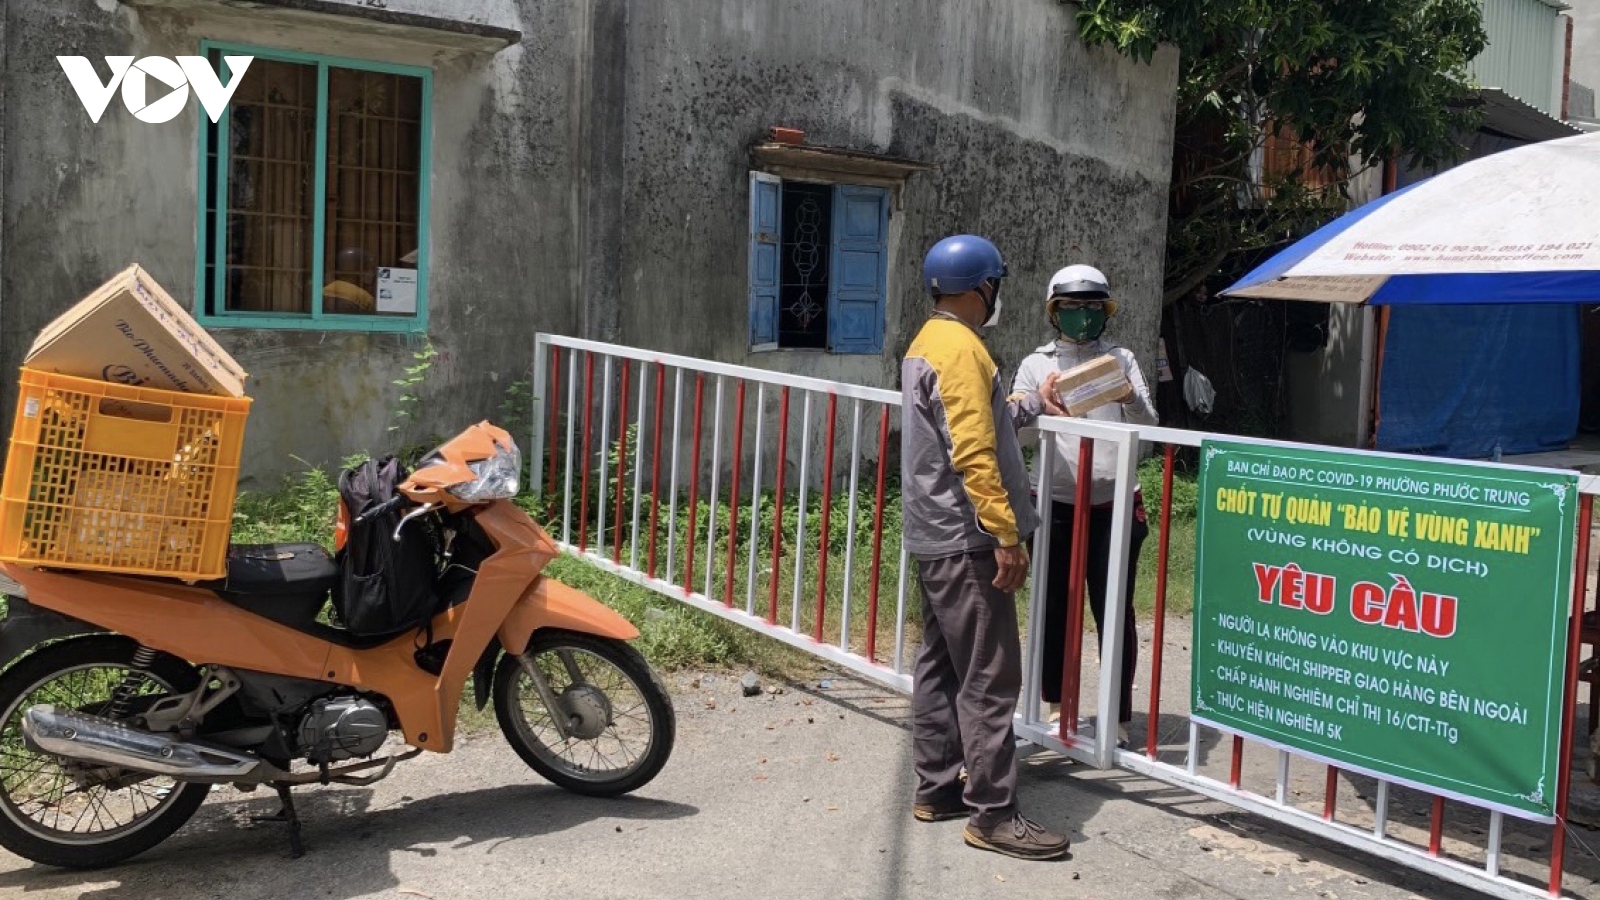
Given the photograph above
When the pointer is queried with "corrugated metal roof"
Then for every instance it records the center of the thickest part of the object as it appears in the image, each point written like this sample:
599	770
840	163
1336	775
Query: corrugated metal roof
1510	116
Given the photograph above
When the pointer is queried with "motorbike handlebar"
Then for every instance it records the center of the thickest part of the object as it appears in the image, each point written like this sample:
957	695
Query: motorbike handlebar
381	509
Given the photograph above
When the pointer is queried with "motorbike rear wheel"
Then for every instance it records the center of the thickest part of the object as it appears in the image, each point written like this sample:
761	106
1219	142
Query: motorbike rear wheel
619	718
81	815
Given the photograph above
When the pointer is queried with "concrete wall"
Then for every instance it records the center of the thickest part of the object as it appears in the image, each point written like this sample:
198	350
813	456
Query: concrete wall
83	200
1328	390
1585	41
1056	153
593	180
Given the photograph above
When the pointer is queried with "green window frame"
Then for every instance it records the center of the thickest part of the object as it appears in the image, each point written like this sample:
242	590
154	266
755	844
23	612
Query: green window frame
212	225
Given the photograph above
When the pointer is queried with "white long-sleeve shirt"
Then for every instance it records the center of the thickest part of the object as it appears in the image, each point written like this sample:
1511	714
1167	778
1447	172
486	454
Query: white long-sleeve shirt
1062	355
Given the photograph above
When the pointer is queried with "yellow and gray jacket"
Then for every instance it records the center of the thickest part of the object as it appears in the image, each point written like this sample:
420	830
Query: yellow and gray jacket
963	483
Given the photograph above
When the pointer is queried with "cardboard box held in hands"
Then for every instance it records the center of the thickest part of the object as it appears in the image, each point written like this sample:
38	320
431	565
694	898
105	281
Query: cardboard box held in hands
1092	385
130	331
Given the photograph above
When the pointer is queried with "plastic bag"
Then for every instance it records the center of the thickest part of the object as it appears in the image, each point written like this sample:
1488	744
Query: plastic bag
1198	392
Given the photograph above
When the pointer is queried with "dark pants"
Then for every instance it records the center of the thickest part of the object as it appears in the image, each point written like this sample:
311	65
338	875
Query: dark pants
964	691
1057	593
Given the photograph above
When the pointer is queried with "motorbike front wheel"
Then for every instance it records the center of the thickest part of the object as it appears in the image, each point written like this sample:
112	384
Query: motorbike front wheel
618	720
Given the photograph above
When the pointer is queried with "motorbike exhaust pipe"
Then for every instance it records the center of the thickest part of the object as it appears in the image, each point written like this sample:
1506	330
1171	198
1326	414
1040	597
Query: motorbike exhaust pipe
77	736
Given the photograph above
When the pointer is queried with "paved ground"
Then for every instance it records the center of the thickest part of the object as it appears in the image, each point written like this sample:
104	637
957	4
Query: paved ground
801	794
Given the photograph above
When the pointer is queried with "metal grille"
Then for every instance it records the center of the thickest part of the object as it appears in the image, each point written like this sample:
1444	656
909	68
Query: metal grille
367	205
374	165
803	291
271	176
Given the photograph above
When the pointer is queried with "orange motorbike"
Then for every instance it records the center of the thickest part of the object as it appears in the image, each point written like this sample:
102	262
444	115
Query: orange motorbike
124	699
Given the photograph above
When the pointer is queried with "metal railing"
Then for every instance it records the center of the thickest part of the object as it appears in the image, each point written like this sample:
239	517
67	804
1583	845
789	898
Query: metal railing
622	450
751	559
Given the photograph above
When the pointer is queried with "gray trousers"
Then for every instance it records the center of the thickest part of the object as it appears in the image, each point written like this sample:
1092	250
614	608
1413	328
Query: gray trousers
964	692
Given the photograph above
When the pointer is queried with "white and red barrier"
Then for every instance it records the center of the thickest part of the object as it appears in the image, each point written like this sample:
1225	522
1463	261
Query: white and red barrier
623	517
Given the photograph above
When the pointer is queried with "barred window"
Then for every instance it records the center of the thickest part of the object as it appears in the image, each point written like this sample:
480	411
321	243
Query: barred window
315	192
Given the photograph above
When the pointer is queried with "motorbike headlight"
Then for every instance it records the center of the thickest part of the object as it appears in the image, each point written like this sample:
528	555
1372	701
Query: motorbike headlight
499	476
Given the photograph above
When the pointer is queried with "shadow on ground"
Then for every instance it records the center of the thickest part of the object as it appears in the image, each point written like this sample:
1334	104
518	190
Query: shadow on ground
348	843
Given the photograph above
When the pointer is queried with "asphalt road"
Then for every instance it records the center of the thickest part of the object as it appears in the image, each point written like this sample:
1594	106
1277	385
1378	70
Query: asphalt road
801	794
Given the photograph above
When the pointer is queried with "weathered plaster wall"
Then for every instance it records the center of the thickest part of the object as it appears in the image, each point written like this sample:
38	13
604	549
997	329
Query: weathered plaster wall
592	180
81	200
1057	153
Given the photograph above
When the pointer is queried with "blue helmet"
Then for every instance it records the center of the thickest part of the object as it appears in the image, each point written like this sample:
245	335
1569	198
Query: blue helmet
959	264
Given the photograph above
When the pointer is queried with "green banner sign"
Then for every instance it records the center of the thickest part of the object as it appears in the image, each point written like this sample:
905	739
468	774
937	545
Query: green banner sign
1401	617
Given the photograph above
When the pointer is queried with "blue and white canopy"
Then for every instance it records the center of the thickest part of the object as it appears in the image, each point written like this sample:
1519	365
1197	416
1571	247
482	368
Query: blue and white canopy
1520	226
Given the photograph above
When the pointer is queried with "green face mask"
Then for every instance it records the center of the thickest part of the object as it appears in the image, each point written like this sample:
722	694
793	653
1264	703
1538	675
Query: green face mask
1082	324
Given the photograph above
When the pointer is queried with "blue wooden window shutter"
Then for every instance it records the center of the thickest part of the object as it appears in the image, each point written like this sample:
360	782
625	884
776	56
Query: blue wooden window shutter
858	277
766	212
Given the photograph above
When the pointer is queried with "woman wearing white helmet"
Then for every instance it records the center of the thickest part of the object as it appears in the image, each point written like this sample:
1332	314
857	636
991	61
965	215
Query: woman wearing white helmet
1077	303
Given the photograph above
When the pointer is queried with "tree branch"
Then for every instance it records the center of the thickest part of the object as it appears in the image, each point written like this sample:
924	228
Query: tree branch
1195	277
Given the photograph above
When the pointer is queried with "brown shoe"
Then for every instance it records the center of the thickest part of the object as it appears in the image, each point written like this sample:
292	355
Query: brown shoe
942	811
1019	837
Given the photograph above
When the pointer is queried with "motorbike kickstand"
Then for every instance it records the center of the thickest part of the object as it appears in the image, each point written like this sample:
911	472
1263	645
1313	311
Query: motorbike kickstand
297	847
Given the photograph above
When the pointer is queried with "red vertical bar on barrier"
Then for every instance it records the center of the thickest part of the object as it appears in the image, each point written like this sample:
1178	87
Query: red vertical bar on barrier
655	464
827	522
733	499
1236	769
1580	583
583	462
1330	795
554	392
777	510
694	485
622	463
1436	827
1157	640
877	537
1072	667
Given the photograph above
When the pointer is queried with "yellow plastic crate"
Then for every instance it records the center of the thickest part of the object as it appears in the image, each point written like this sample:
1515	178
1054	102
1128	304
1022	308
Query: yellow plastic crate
109	478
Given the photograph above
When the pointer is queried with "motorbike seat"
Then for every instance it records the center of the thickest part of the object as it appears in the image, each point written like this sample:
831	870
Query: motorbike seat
287	583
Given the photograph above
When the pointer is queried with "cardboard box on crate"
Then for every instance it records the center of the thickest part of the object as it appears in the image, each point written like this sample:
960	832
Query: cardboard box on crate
130	331
1091	385
104	475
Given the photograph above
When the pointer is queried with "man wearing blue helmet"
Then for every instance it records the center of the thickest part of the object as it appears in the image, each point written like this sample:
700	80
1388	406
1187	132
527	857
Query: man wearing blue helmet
967	513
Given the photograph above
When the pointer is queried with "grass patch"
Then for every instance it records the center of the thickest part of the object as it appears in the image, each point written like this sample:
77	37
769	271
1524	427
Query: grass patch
675	636
302	510
1181	544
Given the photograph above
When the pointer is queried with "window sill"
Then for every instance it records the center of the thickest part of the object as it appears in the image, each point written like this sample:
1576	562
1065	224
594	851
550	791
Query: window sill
327	323
814	351
458	34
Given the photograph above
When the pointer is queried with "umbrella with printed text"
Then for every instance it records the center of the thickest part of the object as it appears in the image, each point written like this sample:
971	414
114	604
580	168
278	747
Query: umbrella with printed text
1520	226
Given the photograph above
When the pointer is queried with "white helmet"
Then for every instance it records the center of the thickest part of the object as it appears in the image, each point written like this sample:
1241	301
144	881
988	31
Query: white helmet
1079	281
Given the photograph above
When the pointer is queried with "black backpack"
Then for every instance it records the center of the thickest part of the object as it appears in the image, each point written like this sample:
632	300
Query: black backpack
385	587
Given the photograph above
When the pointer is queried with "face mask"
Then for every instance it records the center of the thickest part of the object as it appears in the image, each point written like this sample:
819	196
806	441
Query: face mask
994	314
1081	325
993	305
